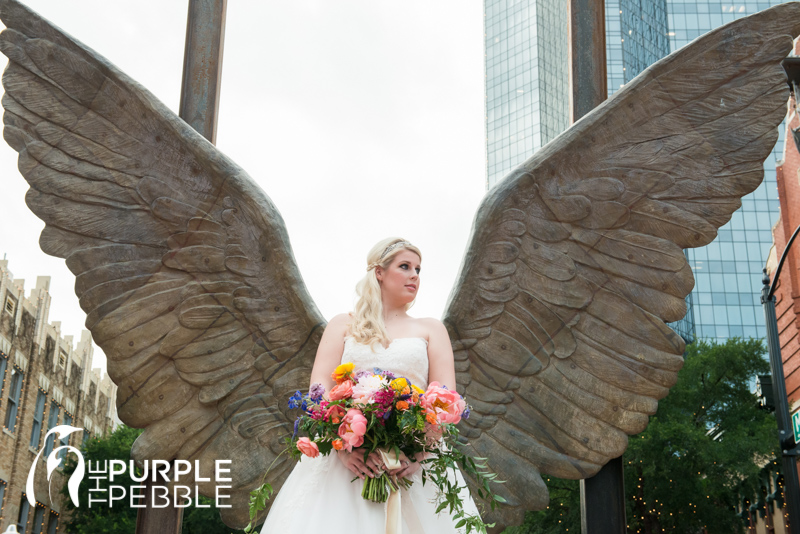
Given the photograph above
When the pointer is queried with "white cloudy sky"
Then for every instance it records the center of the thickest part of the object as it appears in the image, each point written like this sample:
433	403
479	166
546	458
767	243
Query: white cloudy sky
360	119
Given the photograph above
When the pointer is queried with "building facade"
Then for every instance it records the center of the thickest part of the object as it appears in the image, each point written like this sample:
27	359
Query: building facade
527	103
46	381
787	287
527	106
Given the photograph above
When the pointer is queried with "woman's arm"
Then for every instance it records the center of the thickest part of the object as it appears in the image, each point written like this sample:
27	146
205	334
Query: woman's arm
329	352
329	356
441	367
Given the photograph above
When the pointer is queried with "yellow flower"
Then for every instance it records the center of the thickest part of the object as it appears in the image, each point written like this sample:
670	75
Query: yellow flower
398	384
341	373
417	390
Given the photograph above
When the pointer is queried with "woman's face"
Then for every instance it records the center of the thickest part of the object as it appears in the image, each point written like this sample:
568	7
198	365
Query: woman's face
400	280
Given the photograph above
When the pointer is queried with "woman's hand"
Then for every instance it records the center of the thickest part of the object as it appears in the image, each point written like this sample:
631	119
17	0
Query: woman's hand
354	461
408	468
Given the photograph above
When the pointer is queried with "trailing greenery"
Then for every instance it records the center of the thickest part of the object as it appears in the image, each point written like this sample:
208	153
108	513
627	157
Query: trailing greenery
121	518
704	448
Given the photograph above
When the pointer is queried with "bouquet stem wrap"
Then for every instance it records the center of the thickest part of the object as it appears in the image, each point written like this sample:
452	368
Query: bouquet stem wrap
394	522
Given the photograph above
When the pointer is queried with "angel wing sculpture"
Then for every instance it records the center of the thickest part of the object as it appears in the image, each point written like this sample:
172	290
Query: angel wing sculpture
557	318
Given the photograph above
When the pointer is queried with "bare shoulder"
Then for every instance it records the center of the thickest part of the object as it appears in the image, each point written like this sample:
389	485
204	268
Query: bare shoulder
339	325
432	327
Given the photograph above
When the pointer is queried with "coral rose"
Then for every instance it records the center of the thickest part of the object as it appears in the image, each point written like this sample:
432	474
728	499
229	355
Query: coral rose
308	447
343	390
447	404
338	444
353	428
401	405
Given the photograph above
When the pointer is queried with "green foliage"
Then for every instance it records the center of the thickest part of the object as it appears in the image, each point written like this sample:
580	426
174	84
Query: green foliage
441	468
258	503
100	519
704	447
121	518
562	515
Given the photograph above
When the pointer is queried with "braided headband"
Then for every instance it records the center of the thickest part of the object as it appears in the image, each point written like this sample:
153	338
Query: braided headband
386	252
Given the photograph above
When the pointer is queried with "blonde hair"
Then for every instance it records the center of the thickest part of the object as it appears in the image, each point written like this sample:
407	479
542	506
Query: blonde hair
367	326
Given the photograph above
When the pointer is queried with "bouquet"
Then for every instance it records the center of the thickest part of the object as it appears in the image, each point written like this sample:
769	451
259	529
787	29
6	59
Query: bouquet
378	411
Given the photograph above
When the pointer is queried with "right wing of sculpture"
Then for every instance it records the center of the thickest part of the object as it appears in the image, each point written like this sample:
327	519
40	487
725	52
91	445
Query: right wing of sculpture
575	264
183	265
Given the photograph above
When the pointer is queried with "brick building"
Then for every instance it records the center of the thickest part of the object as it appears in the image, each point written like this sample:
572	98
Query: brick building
787	292
787	287
46	381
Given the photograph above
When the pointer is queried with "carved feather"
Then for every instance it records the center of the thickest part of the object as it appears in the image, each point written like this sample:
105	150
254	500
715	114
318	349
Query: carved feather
573	330
183	264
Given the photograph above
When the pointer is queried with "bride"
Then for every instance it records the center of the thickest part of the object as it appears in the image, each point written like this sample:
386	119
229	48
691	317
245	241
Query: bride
379	333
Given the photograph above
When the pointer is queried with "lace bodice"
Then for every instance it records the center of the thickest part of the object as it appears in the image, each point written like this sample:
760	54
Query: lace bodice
405	356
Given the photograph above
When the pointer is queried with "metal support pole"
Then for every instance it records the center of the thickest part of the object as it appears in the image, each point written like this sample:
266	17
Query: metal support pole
200	88
602	496
202	66
785	433
587	56
158	518
603	500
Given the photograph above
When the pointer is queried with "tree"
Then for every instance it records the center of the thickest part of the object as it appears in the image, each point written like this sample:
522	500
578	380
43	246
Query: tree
121	519
562	515
705	446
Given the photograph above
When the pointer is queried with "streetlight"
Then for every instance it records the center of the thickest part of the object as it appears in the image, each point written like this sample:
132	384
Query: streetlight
789	449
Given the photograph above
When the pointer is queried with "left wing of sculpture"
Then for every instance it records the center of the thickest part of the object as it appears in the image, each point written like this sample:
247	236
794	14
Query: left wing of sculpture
576	259
182	263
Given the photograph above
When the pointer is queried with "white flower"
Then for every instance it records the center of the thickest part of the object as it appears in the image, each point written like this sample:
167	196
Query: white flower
366	386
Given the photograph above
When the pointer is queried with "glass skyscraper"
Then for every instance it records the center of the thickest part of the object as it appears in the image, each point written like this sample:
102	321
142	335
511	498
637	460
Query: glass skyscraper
527	105
727	300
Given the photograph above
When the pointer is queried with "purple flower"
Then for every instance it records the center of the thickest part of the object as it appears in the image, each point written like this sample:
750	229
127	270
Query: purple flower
296	425
316	391
465	413
360	374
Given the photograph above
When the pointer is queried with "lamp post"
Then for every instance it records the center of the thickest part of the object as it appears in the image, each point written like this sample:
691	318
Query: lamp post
789	449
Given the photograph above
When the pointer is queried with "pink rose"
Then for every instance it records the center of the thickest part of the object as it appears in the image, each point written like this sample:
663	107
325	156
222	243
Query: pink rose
353	428
447	404
341	391
308	447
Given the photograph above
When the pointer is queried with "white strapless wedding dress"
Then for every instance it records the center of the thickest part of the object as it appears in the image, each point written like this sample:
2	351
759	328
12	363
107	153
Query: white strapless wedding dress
318	495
